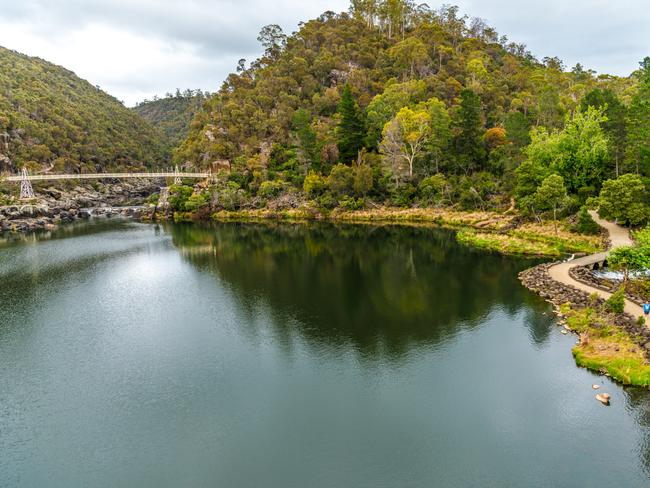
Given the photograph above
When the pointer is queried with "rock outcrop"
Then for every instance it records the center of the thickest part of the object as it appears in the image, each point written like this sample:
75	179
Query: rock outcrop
54	206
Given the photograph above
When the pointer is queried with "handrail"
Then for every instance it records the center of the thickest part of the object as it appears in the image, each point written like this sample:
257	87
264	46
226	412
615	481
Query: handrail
99	176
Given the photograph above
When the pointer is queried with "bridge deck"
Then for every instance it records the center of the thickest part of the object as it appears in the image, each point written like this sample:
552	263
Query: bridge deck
99	176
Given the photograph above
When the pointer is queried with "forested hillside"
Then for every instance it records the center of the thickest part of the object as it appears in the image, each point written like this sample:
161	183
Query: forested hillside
52	119
173	113
406	105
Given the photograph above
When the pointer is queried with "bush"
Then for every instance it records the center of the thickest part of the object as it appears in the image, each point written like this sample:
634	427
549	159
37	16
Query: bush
362	180
403	195
178	196
350	203
341	180
616	303
270	189
314	185
197	201
432	189
228	196
585	224
327	201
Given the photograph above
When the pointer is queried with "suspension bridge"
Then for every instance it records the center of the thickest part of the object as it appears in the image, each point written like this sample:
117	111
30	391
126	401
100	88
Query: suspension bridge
27	191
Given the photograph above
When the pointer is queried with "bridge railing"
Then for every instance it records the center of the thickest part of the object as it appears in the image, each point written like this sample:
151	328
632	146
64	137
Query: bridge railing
99	176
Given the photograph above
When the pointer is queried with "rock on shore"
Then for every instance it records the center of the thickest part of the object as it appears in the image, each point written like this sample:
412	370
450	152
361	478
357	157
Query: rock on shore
539	280
53	206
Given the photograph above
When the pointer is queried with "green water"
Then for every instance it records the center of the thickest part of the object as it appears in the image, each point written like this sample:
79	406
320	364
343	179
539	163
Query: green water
293	356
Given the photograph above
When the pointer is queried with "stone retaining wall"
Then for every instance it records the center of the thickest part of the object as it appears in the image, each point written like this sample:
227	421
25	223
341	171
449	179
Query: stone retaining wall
539	280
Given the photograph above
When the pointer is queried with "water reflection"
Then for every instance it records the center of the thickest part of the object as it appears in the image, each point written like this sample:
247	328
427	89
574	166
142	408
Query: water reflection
381	288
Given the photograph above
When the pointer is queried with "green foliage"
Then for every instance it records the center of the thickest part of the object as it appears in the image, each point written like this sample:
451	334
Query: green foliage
625	200
585	224
362	179
469	128
178	197
306	137
351	130
616	303
52	118
351	203
578	153
341	180
638	141
432	189
270	189
551	195
314	185
630	259
197	201
172	114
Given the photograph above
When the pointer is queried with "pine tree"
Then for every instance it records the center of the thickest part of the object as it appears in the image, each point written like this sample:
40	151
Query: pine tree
351	130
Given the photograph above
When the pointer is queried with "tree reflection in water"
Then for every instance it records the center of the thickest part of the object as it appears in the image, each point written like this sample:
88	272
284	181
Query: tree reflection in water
383	289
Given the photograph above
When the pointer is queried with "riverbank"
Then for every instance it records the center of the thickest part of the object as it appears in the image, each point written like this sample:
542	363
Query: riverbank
505	233
55	206
616	344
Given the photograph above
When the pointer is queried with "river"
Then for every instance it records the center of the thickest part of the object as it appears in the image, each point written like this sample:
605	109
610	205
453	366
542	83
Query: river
288	356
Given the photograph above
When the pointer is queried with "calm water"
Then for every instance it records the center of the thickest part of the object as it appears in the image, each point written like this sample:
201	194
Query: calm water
289	356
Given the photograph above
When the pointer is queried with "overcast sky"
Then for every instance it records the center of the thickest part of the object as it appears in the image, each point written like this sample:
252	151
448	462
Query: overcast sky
134	49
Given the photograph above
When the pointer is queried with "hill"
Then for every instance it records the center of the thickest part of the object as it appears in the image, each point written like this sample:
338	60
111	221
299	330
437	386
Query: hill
173	113
50	118
414	106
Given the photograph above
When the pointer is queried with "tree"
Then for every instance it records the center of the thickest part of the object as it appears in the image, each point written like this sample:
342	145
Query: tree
405	136
629	259
578	153
362	179
551	195
638	141
306	137
351	128
469	130
439	138
616	124
384	106
625	200
409	57
272	39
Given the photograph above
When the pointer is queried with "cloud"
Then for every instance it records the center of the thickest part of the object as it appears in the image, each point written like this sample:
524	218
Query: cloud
137	48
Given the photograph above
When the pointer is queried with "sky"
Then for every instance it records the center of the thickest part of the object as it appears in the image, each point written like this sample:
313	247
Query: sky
134	49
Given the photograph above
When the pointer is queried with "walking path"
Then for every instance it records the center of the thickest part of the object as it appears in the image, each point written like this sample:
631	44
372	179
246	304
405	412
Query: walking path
619	236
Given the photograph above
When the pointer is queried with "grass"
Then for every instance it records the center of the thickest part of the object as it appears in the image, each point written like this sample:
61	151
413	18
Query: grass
532	240
484	230
606	348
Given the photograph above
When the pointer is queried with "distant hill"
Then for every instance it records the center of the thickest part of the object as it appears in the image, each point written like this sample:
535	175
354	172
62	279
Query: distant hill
173	114
51	118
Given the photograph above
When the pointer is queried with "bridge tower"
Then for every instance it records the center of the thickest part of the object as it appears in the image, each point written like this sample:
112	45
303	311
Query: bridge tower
177	176
26	190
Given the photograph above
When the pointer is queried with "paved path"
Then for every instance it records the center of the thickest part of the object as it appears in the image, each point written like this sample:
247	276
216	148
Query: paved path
619	236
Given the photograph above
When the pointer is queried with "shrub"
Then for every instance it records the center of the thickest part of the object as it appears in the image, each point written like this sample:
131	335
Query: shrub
314	185
350	203
178	196
403	195
327	201
362	179
432	189
341	179
616	303
270	189
197	201
228	196
585	224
